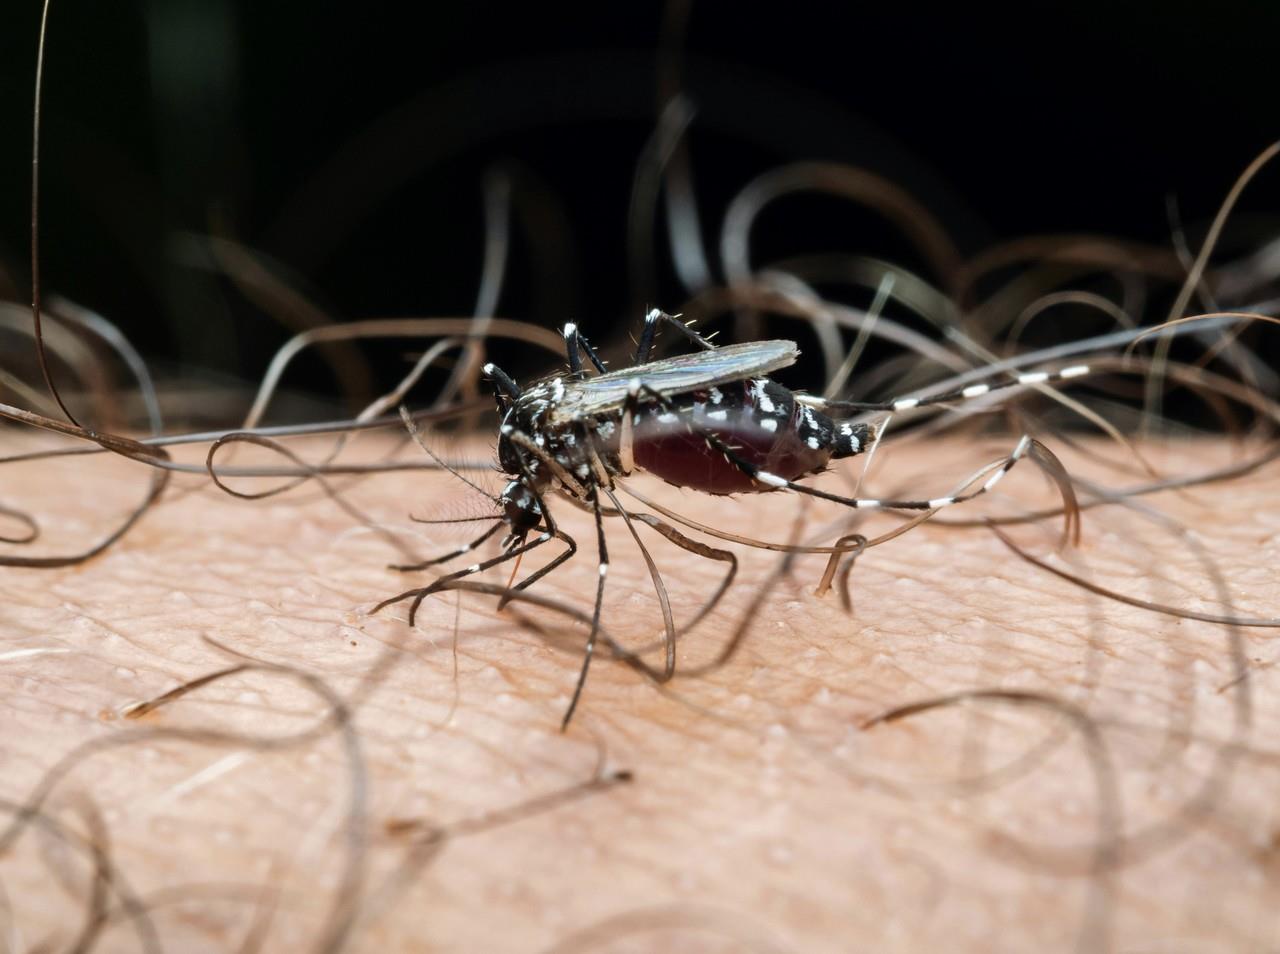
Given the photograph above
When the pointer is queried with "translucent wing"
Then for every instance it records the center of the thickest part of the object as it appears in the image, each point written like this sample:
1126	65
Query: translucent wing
671	376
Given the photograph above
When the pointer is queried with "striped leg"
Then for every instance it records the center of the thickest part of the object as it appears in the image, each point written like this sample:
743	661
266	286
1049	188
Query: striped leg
947	397
421	593
576	345
505	390
867	503
465	548
518	548
650	331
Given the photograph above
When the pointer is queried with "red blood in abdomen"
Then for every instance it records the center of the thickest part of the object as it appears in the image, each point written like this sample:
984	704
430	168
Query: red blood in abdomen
684	459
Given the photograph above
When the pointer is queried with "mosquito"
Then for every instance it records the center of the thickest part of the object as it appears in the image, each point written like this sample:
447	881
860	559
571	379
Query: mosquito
711	420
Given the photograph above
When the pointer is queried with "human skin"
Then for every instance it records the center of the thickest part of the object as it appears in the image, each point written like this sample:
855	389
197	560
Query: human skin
1114	787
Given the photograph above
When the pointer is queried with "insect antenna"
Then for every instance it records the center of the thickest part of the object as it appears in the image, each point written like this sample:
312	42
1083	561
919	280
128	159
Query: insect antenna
412	427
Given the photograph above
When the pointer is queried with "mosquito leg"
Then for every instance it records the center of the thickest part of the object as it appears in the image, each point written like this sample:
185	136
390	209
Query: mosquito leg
866	503
576	345
659	588
627	434
560	559
419	594
650	331
602	548
465	548
1028	379
505	388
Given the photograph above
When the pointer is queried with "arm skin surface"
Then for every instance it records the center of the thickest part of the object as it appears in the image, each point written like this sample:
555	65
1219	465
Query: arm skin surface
1110	783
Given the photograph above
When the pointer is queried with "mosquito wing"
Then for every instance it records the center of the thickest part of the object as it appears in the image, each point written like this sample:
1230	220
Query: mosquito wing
671	376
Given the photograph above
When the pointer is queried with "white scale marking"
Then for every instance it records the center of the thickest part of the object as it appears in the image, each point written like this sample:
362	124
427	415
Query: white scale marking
604	569
941	502
763	401
1074	371
773	480
769	424
975	390
905	404
1035	377
716	395
474	568
718	415
869	504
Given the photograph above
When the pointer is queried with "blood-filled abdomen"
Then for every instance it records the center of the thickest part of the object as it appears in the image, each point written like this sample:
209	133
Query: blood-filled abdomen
758	420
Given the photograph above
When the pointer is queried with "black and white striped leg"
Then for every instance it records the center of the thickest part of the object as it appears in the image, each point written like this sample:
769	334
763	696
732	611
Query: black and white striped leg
464	549
658	317
419	594
1027	379
868	503
602	548
538	574
576	345
505	389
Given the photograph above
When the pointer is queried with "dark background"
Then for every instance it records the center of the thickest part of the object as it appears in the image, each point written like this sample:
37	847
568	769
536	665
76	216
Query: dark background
349	142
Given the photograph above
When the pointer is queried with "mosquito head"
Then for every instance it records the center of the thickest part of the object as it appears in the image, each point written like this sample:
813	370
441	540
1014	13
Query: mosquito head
520	508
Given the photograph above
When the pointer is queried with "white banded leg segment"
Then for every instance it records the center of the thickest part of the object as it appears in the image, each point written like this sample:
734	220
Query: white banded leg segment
1030	378
865	503
421	593
649	332
576	345
464	549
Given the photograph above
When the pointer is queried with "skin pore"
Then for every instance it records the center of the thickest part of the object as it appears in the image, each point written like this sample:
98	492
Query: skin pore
1107	781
